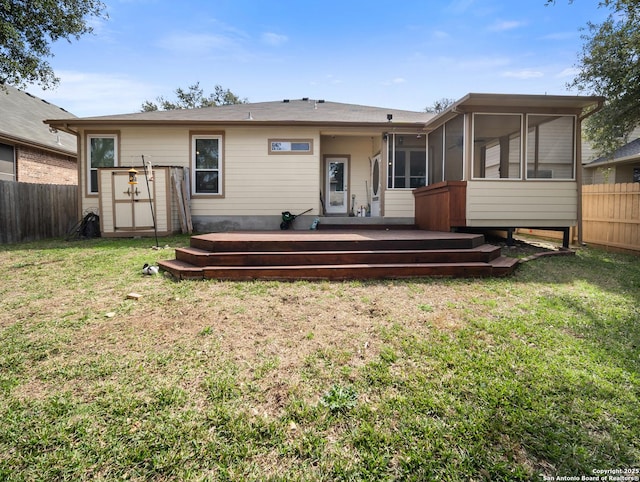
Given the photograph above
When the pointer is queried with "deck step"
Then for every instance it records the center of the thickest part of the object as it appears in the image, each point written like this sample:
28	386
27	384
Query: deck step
368	226
334	240
200	257
335	255
332	272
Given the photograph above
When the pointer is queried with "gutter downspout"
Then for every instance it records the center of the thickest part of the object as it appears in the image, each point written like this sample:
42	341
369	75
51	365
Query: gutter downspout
579	165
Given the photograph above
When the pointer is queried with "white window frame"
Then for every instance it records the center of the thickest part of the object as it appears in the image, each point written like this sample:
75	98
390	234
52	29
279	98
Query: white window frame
90	169
391	153
521	159
219	170
574	165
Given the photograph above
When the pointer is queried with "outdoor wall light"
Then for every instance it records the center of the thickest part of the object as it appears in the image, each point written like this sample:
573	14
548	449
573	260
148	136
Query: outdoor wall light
133	176
389	117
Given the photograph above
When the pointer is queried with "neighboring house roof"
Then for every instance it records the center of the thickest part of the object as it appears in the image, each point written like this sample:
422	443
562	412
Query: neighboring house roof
22	121
284	112
628	152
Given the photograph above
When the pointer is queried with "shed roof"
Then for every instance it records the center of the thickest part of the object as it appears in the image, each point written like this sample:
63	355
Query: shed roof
475	102
22	121
284	112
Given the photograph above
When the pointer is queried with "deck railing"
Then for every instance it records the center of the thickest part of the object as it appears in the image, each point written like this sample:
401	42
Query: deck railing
441	206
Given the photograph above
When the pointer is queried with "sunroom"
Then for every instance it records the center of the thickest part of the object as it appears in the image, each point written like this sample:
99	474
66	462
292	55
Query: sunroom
505	162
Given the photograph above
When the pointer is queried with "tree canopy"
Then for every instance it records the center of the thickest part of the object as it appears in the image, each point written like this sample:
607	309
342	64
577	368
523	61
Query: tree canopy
609	65
193	97
440	105
29	27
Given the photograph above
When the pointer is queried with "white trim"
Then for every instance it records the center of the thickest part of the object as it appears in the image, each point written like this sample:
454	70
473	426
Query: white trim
345	185
573	150
194	170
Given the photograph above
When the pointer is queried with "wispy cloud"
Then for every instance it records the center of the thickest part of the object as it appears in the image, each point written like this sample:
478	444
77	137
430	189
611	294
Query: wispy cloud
475	64
523	74
186	43
394	81
560	35
440	35
460	7
568	72
92	93
504	25
274	39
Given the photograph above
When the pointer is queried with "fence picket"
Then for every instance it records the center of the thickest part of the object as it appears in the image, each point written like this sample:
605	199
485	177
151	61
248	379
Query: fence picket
29	212
611	215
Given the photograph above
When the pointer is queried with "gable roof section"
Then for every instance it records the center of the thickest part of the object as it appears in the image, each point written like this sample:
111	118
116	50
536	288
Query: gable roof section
626	153
287	112
22	122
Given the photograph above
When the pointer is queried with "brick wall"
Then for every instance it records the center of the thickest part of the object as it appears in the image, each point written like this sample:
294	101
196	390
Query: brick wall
42	167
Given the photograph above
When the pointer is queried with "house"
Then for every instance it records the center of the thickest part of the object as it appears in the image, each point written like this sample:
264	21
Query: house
488	161
30	150
621	167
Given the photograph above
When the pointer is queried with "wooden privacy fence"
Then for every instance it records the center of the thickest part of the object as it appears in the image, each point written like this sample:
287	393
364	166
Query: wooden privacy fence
611	215
29	212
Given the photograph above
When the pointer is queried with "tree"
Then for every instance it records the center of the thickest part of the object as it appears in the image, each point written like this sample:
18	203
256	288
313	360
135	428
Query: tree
609	66
193	97
27	30
440	105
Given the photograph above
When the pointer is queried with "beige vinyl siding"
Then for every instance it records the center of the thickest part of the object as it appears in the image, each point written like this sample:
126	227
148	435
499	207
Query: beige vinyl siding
399	203
162	146
522	204
256	183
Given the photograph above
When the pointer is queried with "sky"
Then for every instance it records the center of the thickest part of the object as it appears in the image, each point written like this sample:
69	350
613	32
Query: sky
405	54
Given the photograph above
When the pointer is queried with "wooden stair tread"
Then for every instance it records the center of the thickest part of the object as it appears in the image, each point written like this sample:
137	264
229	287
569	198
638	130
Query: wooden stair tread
337	256
202	257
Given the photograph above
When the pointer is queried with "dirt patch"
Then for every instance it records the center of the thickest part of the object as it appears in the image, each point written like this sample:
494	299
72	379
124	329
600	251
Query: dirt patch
527	247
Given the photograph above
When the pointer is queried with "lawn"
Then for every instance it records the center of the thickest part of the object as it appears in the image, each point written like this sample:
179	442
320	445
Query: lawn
528	377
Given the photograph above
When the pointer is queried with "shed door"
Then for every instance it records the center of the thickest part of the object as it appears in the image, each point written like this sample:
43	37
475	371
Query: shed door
131	204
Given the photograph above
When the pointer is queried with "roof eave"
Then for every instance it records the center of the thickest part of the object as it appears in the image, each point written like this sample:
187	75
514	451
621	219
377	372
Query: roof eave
38	145
67	126
616	160
477	102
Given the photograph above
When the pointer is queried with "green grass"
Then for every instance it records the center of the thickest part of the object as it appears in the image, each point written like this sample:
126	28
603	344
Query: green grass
506	379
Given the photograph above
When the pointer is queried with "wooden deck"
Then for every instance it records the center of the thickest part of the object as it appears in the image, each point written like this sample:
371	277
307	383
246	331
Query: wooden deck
337	255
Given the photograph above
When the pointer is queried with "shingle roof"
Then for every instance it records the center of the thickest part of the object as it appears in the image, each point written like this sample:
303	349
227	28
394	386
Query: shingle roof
627	152
22	121
285	111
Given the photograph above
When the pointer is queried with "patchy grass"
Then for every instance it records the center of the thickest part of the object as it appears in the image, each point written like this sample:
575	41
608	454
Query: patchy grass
427	379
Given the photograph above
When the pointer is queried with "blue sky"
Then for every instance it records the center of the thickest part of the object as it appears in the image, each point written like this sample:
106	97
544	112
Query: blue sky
404	54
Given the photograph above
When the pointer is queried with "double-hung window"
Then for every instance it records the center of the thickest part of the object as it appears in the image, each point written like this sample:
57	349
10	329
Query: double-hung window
206	162
102	151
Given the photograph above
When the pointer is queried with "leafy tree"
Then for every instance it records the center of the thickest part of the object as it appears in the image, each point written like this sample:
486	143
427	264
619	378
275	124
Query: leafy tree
440	105
609	65
29	27
193	97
